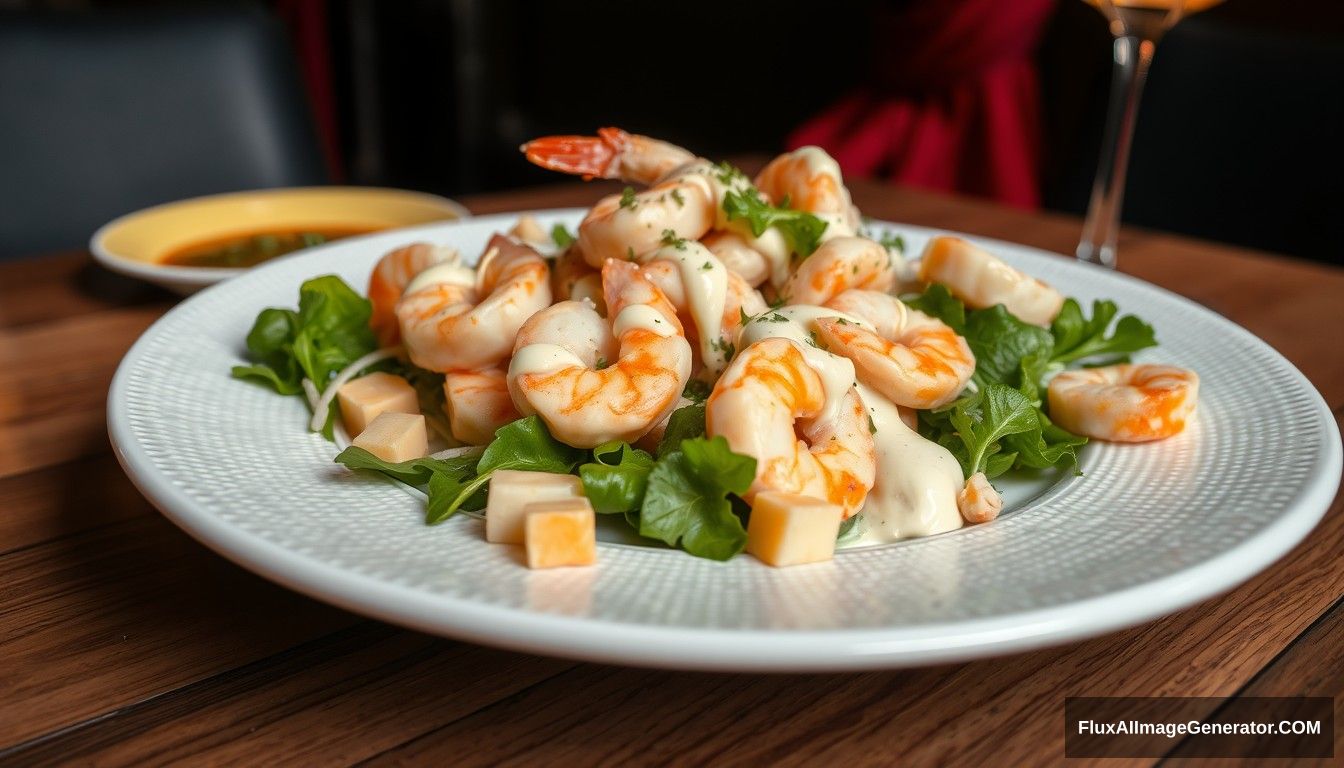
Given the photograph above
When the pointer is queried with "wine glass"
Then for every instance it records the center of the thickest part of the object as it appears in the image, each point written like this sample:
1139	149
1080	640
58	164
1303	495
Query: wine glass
1137	26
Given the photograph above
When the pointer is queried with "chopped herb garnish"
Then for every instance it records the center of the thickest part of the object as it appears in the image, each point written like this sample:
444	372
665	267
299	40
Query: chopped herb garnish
677	198
630	253
872	426
670	238
744	316
892	242
561	236
601	363
696	390
628	197
726	347
706	266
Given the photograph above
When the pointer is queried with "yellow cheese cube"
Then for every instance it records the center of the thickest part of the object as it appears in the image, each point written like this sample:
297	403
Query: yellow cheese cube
364	398
512	490
786	529
558	533
395	437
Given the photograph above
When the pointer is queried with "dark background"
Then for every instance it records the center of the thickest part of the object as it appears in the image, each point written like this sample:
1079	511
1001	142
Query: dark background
1239	136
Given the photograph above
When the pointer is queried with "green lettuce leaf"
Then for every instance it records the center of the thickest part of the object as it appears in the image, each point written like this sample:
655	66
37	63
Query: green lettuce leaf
328	332
986	417
802	230
1000	342
615	480
1077	337
685	423
687	498
413	472
524	445
937	301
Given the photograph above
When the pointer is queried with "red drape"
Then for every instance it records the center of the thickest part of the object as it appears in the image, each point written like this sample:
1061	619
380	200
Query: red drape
954	103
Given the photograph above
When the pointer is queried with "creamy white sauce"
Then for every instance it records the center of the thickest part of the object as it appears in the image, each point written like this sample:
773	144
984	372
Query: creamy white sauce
449	272
917	479
705	281
836	372
915	493
640	316
542	358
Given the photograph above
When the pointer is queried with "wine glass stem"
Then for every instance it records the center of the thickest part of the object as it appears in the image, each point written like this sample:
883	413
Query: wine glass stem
1133	55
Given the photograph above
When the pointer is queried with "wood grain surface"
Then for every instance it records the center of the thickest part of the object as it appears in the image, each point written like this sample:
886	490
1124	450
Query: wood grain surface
124	642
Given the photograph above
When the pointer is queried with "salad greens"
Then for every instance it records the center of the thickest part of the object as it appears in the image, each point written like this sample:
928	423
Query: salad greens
687	500
1000	422
687	493
684	497
802	230
329	331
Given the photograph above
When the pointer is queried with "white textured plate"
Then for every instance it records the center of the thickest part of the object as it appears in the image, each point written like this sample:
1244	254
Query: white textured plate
1147	530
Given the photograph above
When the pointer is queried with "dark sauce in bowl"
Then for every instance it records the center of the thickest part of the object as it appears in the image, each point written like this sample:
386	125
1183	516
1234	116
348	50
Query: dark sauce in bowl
249	250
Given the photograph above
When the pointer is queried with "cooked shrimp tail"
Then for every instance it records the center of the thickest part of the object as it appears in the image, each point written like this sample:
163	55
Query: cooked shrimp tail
611	154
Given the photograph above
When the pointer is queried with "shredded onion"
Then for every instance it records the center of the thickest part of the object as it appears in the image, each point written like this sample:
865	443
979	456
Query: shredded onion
310	391
347	373
453	453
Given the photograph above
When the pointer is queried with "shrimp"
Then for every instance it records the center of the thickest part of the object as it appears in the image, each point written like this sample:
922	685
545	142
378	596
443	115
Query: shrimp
738	255
982	280
611	154
631	225
584	399
754	406
567	269
713	298
978	502
1124	403
811	181
477	403
915	360
451	322
394	272
839	265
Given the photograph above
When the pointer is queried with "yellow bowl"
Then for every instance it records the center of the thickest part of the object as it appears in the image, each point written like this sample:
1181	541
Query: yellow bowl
137	243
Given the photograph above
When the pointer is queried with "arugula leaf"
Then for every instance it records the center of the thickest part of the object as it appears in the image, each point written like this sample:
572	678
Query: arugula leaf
802	230
685	423
413	472
333	328
270	344
984	418
330	331
614	481
443	493
525	445
561	236
1046	446
850	531
686	501
696	390
1076	337
1000	341
937	301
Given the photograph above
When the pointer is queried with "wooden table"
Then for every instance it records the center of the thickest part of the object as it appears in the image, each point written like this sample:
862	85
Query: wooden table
123	641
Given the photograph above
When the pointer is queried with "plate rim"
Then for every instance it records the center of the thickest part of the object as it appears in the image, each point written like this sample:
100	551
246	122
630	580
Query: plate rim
848	649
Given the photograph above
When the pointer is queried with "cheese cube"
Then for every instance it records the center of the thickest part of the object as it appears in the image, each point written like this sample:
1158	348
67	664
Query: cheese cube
364	398
512	490
395	437
786	529
558	533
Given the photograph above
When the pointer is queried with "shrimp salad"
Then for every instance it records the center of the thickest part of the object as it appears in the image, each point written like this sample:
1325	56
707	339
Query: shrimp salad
722	363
